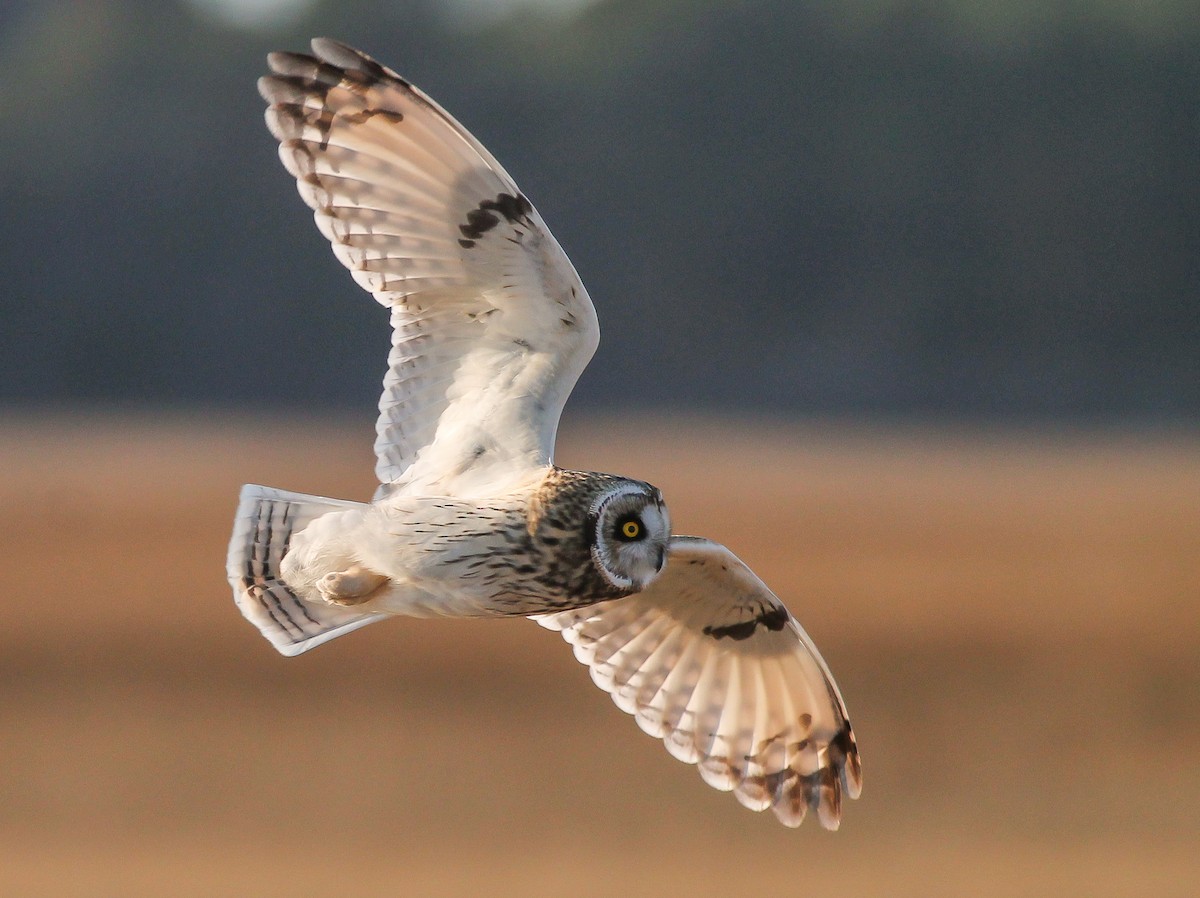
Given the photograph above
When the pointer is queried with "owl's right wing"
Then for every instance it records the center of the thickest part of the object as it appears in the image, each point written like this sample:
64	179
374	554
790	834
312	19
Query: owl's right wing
710	661
491	325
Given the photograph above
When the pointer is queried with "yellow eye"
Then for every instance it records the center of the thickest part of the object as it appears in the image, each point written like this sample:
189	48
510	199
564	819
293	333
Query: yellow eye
630	529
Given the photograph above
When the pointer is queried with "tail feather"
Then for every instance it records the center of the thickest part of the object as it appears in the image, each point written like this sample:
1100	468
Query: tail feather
262	531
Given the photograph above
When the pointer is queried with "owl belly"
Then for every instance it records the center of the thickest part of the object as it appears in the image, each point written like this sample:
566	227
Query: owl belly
478	558
450	557
486	581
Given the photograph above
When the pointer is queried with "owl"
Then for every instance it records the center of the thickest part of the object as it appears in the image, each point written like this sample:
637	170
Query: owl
491	327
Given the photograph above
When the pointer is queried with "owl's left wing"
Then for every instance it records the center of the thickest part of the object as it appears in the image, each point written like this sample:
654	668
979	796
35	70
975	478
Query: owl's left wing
710	661
491	326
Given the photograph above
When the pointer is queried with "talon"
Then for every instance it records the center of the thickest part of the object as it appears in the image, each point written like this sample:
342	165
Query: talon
352	586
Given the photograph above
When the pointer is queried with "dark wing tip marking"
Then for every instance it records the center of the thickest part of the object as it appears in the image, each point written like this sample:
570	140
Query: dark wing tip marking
774	619
346	57
845	758
357	118
513	208
297	75
736	632
488	213
479	222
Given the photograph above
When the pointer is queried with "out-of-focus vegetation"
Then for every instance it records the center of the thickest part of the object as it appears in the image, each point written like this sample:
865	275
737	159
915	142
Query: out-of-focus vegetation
1012	623
958	209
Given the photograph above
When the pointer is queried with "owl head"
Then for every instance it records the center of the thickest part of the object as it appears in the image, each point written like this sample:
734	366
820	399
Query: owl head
630	531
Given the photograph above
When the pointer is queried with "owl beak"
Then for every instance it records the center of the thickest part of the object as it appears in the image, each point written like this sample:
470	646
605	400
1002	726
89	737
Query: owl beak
662	559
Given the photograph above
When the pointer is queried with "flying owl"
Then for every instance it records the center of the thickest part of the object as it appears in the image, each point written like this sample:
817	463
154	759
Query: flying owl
491	327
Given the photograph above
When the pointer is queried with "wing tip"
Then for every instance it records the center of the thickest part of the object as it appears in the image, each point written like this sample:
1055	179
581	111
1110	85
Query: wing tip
844	751
338	53
341	55
331	63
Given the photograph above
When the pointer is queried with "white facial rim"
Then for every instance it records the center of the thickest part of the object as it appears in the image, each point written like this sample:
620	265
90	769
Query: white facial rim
597	511
606	497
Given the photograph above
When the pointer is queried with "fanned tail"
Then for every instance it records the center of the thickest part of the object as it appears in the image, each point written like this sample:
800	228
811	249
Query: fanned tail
262	531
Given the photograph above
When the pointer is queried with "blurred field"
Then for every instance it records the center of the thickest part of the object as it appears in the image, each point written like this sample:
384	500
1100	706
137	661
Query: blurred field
1014	621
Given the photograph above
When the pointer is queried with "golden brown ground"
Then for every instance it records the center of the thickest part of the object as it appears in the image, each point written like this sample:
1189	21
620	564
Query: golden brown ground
1014	621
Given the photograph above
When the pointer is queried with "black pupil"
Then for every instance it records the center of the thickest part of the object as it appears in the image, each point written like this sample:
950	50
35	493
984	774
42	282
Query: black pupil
629	529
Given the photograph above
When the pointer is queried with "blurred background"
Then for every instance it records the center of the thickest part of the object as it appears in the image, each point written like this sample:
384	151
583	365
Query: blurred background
911	292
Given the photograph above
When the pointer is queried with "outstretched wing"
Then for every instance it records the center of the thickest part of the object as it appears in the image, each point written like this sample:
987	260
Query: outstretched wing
491	325
710	661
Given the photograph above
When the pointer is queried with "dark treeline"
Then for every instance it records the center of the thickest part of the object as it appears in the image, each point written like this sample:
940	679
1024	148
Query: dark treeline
818	212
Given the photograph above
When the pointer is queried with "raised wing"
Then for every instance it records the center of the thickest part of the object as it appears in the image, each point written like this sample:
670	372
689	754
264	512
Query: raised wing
491	325
710	661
